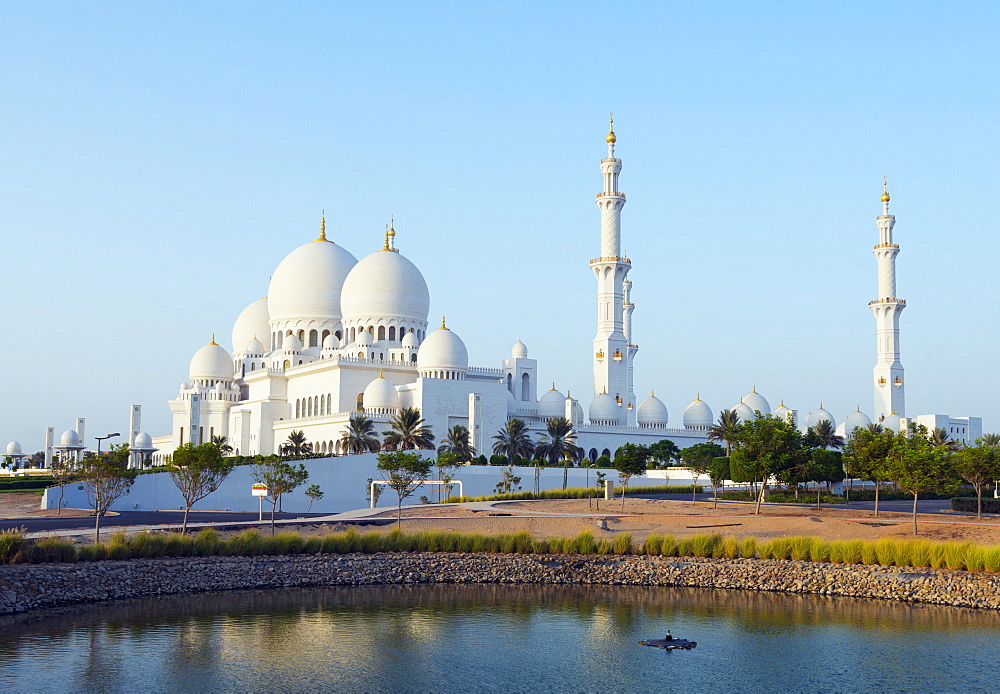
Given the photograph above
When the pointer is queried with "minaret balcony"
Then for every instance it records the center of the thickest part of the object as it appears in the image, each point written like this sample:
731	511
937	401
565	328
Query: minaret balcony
612	259
599	354
617	356
887	300
610	195
885	245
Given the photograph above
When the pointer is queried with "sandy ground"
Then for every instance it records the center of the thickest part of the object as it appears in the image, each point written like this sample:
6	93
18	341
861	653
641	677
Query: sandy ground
25	505
684	519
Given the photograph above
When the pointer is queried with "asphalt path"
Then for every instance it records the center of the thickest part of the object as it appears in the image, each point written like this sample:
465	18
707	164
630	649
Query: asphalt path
133	518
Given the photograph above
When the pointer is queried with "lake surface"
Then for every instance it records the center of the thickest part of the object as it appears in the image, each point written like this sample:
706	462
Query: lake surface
498	638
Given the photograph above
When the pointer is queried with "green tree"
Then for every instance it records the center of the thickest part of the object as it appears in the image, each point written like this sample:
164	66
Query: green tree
630	460
458	442
718	474
940	438
664	452
866	456
604	462
314	493
509	482
918	466
63	472
978	465
448	463
407	432
106	478
296	444
823	435
991	440
280	478
725	429
559	444
513	440
198	471
765	446
403	472
823	466
698	459
360	435
222	443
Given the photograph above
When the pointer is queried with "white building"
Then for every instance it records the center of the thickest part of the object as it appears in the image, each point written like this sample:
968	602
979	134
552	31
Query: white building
336	335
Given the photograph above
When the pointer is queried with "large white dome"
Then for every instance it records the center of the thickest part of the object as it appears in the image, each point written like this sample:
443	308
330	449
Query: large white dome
744	412
892	422
251	323
380	395
856	419
142	441
385	285
13	448
698	414
652	412
756	401
781	412
817	416
552	404
443	349
69	439
604	409
211	362
307	284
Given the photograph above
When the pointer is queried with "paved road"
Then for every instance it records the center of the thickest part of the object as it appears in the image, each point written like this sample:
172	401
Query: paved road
143	518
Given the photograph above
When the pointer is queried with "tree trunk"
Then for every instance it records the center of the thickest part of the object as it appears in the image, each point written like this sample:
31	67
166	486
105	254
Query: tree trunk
274	505
97	526
979	501
876	498
59	509
565	473
184	523
715	496
760	498
399	513
624	489
915	513
819	491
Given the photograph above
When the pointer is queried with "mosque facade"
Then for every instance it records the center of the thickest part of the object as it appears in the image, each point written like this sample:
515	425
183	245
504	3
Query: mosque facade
335	336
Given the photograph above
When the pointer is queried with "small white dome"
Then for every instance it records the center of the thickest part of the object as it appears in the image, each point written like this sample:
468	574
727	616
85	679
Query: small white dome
13	448
385	285
552	404
605	408
252	322
652	412
308	282
519	350
443	349
855	419
292	344
410	339
254	347
331	342
142	440
69	438
698	414
781	412
364	339
511	403
818	415
891	421
380	395
211	362
756	401
744	412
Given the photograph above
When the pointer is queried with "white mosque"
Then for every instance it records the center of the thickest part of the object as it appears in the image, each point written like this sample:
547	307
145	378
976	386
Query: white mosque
335	336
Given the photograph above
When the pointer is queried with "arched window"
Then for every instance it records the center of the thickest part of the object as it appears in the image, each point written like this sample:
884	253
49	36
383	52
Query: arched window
361	355
525	387
287	363
361	402
392	357
300	361
510	383
326	334
243	370
413	358
302	336
354	333
298	408
201	434
373	356
371	330
182	436
339	336
314	338
392	333
606	453
281	340
592	455
381	332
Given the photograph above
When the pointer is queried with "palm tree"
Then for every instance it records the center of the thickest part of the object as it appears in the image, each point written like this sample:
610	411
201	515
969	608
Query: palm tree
991	440
407	432
513	440
222	443
939	438
359	437
826	435
296	444
725	429
457	442
875	428
559	445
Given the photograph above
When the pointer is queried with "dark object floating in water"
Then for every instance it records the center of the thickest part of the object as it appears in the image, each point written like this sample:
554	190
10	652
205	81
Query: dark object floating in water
670	643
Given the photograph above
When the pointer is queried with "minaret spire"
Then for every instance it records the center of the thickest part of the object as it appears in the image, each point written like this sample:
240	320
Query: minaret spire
887	309
612	348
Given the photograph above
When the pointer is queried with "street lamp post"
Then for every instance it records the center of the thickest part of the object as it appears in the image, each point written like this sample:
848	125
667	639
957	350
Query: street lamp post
102	438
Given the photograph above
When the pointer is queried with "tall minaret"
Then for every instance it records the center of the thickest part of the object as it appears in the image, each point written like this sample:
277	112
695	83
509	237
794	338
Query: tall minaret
628	308
888	369
611	347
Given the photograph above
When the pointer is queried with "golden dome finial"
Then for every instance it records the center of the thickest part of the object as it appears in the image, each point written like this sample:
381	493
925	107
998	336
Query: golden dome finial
697	397
611	130
652	393
380	374
392	229
443	326
753	390
553	385
322	228
885	190
213	342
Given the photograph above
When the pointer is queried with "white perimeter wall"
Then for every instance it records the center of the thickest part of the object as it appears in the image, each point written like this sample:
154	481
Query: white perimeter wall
342	480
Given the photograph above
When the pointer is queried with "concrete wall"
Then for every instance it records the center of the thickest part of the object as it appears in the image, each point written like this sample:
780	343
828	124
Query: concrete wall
342	480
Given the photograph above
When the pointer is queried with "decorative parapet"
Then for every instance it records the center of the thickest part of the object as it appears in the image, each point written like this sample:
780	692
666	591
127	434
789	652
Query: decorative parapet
611	259
610	195
888	300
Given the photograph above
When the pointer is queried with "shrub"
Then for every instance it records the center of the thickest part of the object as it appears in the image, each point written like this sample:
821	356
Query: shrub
748	548
91	552
800	548
819	550
49	549
604	546
920	553
728	548
585	543
207	542
622	543
684	548
668	546
968	505
991	559
885	551
651	545
703	544
955	553
868	553
118	547
11	543
248	543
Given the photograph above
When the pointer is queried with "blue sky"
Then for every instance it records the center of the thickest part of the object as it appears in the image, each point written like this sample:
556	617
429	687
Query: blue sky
159	160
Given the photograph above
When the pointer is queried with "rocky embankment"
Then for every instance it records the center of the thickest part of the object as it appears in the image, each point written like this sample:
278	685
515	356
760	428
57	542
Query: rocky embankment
26	587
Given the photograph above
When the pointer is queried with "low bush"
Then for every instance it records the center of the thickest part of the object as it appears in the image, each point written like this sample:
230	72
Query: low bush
26	484
571	493
966	504
622	543
783	497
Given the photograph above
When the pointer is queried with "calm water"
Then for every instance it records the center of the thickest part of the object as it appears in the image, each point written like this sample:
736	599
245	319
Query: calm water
495	638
